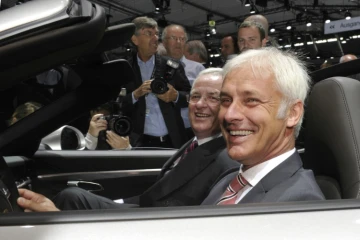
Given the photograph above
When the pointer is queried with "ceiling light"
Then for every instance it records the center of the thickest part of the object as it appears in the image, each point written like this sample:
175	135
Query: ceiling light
252	10
247	3
326	17
308	22
157	7
299	37
347	15
272	29
288	26
207	33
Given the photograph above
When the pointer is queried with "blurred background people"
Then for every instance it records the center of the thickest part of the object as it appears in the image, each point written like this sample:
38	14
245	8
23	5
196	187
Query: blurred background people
229	48
156	117
195	50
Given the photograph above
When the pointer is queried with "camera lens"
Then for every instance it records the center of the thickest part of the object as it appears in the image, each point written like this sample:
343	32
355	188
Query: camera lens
158	86
121	126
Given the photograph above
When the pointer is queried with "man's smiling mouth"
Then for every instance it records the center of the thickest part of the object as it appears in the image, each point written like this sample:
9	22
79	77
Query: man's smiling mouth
240	132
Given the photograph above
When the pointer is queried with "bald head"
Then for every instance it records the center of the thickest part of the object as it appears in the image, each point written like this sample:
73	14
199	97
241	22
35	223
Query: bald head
347	58
260	19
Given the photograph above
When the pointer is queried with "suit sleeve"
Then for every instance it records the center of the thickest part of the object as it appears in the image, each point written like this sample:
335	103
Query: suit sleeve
182	85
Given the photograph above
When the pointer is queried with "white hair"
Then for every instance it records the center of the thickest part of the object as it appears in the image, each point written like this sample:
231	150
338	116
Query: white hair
216	72
291	77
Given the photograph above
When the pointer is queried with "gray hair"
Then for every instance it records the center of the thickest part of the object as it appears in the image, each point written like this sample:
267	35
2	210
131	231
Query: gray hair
216	72
197	46
291	76
164	33
143	22
260	28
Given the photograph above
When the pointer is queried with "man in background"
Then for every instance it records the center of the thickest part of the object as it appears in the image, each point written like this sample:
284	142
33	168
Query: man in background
195	50
251	35
229	48
174	38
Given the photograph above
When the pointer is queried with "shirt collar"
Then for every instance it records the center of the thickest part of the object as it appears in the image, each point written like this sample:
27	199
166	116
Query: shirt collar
258	172
205	140
151	60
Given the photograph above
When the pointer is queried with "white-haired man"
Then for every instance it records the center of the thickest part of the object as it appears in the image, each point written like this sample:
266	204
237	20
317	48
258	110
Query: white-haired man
174	38
262	105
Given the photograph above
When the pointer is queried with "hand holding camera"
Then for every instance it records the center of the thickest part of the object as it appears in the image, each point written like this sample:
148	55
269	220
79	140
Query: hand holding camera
97	124
143	89
116	141
170	95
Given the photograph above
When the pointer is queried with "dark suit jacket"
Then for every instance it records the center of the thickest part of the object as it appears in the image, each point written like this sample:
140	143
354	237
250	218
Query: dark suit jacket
192	179
170	111
289	181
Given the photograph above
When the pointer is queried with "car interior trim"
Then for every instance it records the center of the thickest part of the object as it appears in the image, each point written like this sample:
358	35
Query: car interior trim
100	174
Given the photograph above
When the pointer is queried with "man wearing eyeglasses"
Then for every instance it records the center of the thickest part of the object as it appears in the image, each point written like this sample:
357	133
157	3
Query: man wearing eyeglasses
156	117
174	38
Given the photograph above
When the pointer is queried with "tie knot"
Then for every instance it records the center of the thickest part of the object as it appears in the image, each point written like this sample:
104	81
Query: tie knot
191	147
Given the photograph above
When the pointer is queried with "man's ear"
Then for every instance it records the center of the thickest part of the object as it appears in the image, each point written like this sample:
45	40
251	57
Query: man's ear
295	113
263	42
134	39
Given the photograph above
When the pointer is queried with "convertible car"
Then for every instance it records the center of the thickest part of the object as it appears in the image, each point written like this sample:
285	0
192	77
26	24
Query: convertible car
69	37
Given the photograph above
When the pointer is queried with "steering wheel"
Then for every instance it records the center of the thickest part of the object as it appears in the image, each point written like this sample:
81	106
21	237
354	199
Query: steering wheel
8	190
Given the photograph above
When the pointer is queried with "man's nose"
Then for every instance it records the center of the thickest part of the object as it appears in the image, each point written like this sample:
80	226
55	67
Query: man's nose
234	112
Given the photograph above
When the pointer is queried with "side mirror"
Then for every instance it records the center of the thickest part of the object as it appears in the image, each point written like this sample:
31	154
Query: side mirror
65	138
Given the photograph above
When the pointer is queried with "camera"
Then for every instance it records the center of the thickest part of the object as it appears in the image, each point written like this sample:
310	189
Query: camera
159	84
119	124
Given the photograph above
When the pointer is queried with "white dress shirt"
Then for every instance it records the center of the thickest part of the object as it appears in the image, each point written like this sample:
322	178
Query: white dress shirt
258	172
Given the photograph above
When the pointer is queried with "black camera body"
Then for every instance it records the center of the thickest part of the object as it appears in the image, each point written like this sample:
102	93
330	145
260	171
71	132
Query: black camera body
159	84
119	124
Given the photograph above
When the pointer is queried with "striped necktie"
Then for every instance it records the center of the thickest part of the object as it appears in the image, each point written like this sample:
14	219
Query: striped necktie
229	196
189	149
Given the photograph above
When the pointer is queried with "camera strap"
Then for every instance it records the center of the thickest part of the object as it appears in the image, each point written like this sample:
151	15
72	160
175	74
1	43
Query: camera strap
157	63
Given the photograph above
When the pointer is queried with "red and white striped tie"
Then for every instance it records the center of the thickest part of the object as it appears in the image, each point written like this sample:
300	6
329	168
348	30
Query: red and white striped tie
229	196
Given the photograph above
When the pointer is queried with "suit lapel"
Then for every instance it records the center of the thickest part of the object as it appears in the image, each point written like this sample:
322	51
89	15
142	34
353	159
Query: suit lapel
172	159
279	174
188	168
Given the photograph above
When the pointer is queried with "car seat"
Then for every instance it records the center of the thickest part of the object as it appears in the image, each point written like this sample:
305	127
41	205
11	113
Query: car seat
332	136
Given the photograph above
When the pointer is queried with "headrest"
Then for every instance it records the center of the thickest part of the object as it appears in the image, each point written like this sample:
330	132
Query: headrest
332	134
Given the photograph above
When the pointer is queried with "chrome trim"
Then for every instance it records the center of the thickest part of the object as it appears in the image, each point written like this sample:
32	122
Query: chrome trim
31	15
99	175
76	184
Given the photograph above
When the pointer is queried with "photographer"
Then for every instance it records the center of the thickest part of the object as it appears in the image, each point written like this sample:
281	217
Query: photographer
155	113
110	139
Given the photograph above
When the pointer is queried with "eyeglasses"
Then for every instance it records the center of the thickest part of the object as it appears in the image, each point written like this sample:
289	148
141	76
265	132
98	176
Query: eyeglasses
150	34
181	39
211	100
